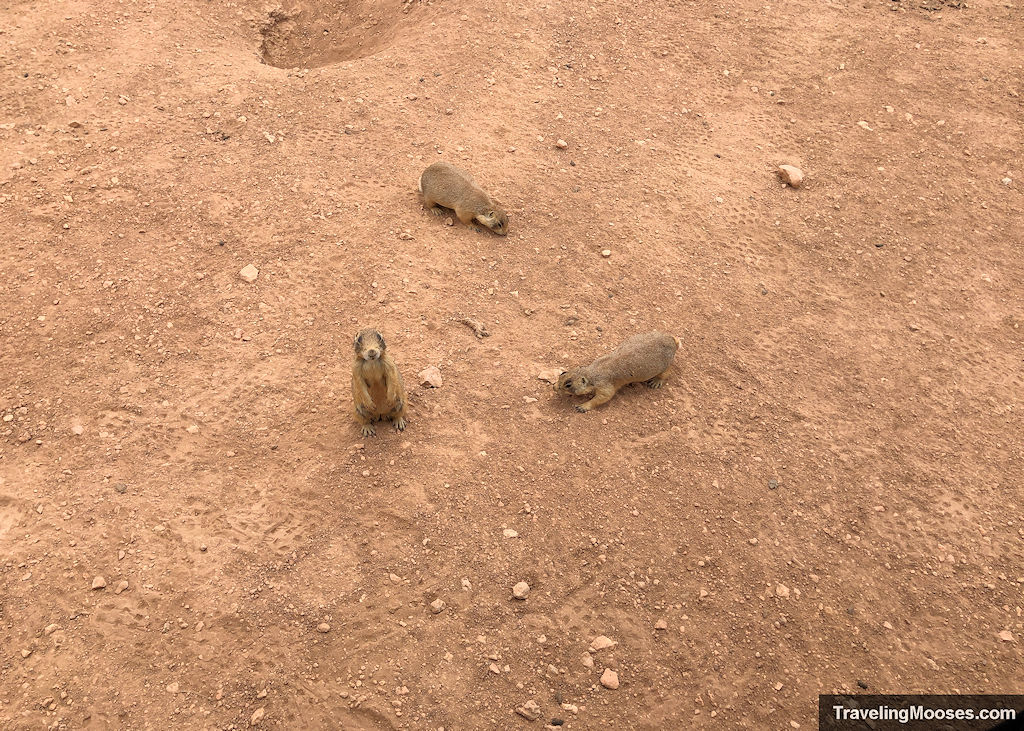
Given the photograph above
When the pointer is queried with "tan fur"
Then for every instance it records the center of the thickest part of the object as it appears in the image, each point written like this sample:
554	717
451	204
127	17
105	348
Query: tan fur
643	358
443	184
377	389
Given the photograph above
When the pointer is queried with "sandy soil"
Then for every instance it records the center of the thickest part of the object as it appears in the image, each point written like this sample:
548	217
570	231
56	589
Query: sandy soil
825	496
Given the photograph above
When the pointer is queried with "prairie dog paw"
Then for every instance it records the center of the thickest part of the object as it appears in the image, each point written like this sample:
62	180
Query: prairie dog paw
368	430
399	423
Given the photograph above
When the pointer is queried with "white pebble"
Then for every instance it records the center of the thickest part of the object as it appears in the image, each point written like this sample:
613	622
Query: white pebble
430	376
791	176
249	273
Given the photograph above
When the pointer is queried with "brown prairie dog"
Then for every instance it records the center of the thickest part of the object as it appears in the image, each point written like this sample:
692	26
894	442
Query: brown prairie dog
377	389
443	184
641	358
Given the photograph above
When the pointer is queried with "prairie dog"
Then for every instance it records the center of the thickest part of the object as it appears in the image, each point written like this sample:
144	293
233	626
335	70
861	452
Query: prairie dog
377	389
443	184
641	358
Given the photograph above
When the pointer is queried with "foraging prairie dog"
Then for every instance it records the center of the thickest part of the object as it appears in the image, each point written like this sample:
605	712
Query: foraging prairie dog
641	358
443	184
377	389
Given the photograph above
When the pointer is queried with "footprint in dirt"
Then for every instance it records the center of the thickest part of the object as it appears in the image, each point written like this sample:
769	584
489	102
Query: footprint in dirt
11	513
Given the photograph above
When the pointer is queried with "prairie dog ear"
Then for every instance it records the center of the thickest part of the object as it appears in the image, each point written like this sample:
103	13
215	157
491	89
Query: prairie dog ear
383	345
358	341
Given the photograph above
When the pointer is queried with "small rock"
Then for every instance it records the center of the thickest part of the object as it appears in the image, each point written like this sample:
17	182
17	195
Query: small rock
550	375
50	629
430	376
77	430
249	273
437	606
99	583
172	688
26	653
561	144
602	643
610	679
1006	636
587	659
782	590
395	578
661	624
606	253
323	628
493	667
791	176
120	488
1007	181
257	716
529	710
773	484
509	533
521	590
192	429
122	585
557	721
864	125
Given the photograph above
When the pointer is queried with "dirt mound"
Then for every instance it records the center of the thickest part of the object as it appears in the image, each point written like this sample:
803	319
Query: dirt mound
314	34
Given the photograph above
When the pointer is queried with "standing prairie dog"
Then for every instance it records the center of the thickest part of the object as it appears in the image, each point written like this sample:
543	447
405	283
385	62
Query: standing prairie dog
377	389
641	358
443	184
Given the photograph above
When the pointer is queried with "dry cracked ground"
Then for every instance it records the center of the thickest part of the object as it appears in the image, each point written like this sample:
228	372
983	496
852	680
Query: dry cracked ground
825	496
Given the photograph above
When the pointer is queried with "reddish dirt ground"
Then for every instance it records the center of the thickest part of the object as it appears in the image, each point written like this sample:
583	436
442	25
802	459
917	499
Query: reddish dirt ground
825	496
